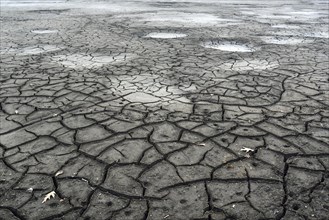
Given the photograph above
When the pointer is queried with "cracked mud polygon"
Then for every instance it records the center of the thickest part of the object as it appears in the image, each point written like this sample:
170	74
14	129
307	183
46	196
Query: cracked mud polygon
175	110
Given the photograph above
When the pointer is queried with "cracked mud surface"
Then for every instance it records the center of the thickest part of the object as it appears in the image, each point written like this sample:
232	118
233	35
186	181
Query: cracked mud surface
131	111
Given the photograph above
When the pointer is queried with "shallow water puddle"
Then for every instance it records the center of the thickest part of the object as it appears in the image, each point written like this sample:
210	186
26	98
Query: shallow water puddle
44	31
165	35
228	46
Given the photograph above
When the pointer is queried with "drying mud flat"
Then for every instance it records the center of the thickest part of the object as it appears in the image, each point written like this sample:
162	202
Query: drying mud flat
149	110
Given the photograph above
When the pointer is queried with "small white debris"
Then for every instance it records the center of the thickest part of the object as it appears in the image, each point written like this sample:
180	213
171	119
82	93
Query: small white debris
49	196
166	216
30	190
55	115
200	144
59	172
16	111
247	150
233	205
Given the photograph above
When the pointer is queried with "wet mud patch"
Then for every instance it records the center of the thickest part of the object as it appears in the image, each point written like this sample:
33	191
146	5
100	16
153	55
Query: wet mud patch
168	4
229	45
179	19
89	60
53	11
249	65
33	50
320	34
162	35
287	14
284	40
